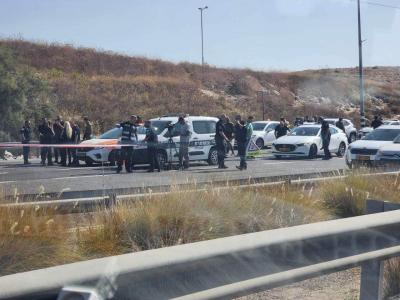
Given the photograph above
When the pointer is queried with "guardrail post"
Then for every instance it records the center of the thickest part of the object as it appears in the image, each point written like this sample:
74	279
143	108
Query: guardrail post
372	272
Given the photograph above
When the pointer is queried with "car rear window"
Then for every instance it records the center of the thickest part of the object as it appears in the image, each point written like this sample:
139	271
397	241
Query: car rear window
114	133
305	131
382	135
204	127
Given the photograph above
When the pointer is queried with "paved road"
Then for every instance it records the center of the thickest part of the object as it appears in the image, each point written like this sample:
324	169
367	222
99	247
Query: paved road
35	178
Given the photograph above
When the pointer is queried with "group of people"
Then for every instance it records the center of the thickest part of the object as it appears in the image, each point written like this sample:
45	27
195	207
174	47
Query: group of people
59	132
226	131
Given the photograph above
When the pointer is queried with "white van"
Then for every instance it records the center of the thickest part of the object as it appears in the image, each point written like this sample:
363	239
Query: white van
202	141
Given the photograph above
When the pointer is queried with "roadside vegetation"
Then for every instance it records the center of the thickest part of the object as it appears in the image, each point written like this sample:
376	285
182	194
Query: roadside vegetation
39	79
33	238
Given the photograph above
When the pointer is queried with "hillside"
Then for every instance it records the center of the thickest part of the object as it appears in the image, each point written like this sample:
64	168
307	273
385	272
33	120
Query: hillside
108	87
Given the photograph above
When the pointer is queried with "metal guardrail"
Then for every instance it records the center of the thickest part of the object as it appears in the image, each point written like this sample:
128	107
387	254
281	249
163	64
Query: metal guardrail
228	267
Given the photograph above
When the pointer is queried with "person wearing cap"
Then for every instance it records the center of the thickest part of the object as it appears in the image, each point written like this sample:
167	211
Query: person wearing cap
128	137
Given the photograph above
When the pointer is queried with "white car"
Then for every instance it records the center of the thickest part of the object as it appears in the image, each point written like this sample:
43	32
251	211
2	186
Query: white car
350	129
305	141
264	133
365	150
388	154
202	141
101	155
365	130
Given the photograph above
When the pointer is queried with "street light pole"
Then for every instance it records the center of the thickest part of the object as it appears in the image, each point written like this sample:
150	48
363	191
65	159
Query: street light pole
202	34
360	66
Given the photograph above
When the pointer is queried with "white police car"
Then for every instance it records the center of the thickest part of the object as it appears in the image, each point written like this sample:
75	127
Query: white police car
202	141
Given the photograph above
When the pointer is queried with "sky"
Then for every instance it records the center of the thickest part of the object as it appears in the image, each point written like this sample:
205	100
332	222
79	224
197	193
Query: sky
279	35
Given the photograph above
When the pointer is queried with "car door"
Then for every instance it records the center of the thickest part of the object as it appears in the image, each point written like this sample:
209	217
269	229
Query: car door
270	133
335	139
202	139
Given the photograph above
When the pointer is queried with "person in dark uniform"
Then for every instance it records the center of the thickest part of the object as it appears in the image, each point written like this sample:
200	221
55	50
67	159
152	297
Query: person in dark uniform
46	136
76	139
229	131
220	141
339	124
151	141
88	130
281	129
376	122
326	139
241	141
58	128
129	131
26	135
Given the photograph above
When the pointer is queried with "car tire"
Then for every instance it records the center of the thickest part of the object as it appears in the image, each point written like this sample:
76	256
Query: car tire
88	162
260	143
353	137
213	157
112	158
162	159
313	151
342	150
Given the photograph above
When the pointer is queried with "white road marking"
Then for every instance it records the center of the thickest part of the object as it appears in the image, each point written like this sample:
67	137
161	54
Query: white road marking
3	173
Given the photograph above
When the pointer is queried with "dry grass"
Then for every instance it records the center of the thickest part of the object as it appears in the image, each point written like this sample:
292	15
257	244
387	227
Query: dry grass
346	197
185	217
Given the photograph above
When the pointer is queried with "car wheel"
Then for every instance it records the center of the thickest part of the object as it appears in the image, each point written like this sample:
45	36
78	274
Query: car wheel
162	159
352	137
341	150
88	162
313	151
213	157
112	158
260	143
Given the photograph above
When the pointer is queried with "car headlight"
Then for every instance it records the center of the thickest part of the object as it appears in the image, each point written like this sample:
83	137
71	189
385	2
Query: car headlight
300	145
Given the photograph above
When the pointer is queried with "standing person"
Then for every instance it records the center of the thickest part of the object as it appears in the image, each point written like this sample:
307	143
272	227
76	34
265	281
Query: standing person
139	121
76	139
58	128
326	139
26	135
315	119
151	141
339	124
66	138
306	119
220	141
376	122
88	130
129	131
241	138
46	136
185	132
249	132
229	131
281	129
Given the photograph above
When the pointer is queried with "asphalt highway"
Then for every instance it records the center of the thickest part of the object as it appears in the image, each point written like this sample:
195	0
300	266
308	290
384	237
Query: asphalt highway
16	178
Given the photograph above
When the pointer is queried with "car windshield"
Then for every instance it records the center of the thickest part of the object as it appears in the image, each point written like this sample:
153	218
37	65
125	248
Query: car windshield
114	133
305	131
159	126
259	126
382	135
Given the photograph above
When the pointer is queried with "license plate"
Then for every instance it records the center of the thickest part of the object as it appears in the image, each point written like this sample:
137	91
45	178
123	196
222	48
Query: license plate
363	157
284	149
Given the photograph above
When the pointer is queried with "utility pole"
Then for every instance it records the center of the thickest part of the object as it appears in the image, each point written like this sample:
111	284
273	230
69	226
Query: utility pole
261	95
360	67
202	34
